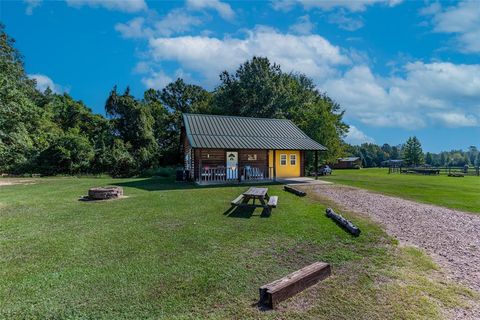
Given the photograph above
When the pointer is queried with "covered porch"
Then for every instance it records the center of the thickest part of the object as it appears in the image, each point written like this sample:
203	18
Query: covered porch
224	166
220	166
226	175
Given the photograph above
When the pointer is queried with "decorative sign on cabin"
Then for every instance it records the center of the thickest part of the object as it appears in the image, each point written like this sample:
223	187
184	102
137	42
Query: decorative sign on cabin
232	165
251	157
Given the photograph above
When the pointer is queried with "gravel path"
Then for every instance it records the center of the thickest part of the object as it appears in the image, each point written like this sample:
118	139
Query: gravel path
450	236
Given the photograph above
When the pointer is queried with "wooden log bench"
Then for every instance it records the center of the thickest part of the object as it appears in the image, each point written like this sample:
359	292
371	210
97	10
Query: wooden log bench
456	175
344	223
297	192
286	287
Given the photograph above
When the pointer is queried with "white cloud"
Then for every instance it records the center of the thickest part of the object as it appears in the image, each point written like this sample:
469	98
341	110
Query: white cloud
463	20
134	28
455	119
344	21
439	92
223	9
175	22
351	5
310	54
420	94
356	137
303	26
119	5
44	82
340	11
31	4
142	67
156	80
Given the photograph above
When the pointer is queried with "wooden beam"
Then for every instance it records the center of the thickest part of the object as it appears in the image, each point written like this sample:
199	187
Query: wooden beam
200	166
316	164
302	163
344	223
297	192
279	290
274	166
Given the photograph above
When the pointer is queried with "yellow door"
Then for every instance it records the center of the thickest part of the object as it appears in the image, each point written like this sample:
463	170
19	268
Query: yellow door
287	163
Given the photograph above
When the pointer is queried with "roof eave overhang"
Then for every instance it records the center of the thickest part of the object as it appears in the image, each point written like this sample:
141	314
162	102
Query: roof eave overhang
187	131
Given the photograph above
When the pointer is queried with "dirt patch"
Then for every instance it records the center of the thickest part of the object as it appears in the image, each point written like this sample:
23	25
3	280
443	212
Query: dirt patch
450	236
10	182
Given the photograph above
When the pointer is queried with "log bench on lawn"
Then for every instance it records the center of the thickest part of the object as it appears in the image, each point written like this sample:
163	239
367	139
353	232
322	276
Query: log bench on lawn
281	289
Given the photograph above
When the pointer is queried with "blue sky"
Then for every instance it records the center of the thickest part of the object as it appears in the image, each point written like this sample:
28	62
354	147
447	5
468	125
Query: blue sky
398	68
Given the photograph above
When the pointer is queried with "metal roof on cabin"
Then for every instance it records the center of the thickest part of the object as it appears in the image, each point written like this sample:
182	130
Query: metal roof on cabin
226	132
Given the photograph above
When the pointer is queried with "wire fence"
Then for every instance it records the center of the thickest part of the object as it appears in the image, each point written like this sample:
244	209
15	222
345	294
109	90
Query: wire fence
446	170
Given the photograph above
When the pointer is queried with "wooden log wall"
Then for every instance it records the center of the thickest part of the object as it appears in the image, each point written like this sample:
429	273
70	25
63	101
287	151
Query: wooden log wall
261	162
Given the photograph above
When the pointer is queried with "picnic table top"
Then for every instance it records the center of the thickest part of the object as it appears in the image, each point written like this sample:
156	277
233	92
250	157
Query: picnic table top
256	192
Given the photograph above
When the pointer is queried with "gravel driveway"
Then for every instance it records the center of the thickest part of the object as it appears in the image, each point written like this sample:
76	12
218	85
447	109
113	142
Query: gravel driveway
450	236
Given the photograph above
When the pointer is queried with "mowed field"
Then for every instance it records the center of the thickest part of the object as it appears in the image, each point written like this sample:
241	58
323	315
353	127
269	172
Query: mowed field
457	193
170	251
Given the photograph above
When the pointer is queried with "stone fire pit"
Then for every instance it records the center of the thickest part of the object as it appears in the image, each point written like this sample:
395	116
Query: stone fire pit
104	193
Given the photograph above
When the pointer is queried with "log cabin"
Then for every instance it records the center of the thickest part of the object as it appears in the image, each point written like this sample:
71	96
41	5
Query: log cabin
226	149
347	163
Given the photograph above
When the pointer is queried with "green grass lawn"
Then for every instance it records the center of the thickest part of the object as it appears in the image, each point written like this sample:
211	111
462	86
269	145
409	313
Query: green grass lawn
170	251
456	193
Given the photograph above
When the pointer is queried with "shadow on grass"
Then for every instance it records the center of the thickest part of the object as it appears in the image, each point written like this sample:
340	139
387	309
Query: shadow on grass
245	212
159	184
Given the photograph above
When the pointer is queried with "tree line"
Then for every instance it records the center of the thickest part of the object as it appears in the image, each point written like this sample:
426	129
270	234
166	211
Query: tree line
411	154
51	133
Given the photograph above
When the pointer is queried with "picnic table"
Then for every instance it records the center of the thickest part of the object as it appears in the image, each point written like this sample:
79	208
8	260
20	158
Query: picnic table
254	193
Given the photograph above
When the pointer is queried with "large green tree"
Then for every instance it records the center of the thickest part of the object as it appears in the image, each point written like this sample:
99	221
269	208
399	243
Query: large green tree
179	97
133	123
259	88
21	120
412	152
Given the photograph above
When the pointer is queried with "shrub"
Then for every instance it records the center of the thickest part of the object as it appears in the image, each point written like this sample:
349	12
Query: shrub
164	172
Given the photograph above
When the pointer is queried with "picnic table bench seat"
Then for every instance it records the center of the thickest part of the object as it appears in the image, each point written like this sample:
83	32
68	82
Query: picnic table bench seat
272	202
237	200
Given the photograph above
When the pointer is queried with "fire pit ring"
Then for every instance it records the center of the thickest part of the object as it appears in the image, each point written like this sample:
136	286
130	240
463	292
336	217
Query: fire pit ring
104	193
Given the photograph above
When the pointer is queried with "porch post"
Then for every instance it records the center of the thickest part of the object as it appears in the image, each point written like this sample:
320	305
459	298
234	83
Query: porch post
316	164
200	166
239	172
274	166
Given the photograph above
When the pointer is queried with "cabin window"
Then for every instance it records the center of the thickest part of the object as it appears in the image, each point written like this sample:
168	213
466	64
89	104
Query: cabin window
283	159
293	159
